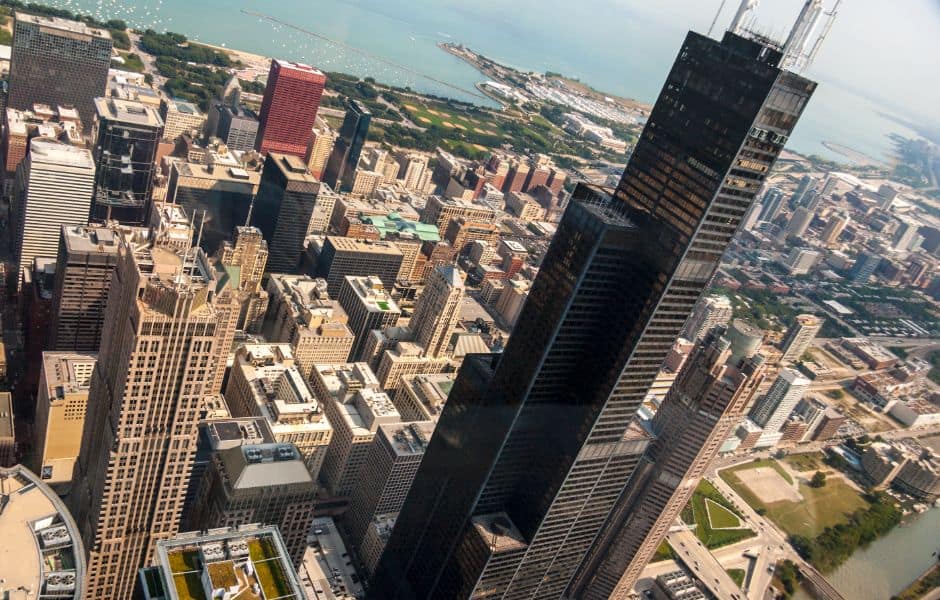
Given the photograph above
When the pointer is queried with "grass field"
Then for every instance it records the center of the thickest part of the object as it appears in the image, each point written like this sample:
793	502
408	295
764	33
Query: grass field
180	562
720	517
664	552
805	462
444	116
820	507
189	587
736	575
272	579
710	510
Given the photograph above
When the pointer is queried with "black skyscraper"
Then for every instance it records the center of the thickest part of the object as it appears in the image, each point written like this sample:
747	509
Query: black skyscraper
534	447
341	167
283	206
127	135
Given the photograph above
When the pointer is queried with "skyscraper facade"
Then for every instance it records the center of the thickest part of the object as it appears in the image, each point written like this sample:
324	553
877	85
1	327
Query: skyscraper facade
438	310
86	259
283	209
58	62
389	468
771	411
369	307
707	400
127	135
289	109
799	336
218	196
708	313
532	452
54	187
164	347
341	167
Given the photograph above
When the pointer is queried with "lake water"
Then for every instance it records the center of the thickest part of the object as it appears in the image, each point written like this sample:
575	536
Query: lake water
620	46
891	563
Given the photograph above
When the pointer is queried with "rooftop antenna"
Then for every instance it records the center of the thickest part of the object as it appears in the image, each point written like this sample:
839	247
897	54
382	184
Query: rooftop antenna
195	249
251	208
794	48
747	6
825	33
717	14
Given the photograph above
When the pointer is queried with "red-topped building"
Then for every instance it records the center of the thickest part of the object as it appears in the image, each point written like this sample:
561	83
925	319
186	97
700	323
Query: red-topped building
289	109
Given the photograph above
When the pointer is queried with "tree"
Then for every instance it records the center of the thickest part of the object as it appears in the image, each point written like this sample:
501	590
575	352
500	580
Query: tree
818	480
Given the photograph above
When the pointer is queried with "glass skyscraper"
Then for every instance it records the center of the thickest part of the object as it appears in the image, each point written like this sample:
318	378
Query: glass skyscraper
534	447
341	167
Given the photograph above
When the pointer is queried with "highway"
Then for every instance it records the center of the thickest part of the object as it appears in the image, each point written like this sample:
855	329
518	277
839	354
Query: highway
699	561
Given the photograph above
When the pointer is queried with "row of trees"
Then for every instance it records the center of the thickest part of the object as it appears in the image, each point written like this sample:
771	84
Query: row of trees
175	45
836	544
116	27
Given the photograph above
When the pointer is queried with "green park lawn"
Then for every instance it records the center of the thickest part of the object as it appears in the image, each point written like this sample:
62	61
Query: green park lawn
189	587
715	518
720	517
811	461
736	575
820	508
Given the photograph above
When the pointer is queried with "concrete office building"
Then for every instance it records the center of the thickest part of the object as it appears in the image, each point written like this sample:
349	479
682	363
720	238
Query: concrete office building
146	393
440	211
223	563
799	223
342	257
834	229
341	167
865	265
356	407
437	311
526	510
244	262
283	209
706	402
386	477
422	397
403	358
799	336
181	117
58	62
61	404
368	307
289	109
54	187
264	382
320	146
218	433
237	126
772	411
302	314
267	483
127	136
414	174
218	197
86	259
7	431
709	312
44	556
801	261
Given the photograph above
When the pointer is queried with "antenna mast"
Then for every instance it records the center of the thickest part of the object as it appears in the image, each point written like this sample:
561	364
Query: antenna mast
715	20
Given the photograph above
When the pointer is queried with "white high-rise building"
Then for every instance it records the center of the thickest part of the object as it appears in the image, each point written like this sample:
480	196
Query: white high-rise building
54	186
800	335
709	312
772	411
